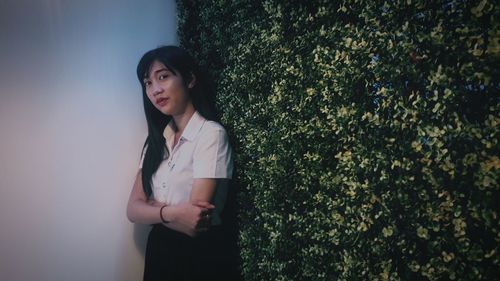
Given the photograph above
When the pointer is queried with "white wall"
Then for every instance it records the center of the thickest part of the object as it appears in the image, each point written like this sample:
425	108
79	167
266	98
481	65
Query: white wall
71	130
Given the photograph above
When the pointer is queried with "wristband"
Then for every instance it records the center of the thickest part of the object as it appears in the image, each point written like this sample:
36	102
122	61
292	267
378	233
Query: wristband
161	214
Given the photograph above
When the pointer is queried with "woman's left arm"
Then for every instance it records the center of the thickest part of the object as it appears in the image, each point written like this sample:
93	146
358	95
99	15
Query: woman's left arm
203	190
212	165
212	162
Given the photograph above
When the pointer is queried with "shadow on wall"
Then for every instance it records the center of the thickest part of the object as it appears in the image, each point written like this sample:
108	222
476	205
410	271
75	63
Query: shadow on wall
141	233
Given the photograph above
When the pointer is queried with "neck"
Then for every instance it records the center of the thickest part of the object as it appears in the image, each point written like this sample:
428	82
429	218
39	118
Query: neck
181	120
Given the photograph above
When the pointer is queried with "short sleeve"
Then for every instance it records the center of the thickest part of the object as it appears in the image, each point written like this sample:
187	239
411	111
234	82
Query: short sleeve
212	156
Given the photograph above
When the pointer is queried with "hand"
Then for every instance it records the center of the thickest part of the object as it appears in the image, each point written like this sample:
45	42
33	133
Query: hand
206	215
191	218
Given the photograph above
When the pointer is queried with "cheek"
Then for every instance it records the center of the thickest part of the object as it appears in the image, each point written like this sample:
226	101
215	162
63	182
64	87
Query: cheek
182	91
152	100
149	95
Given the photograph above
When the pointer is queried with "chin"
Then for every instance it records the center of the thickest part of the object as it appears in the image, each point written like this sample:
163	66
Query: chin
164	110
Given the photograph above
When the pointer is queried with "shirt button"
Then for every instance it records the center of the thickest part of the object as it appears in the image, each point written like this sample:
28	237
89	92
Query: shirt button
164	185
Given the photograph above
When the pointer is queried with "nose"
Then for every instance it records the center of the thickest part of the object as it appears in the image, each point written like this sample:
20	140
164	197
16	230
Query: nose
156	88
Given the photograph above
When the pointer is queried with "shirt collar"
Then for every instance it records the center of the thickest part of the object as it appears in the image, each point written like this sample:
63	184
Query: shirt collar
192	128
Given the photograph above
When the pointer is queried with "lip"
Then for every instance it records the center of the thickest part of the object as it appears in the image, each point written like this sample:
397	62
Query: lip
161	101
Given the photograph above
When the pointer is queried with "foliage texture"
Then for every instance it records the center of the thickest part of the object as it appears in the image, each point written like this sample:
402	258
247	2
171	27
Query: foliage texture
366	134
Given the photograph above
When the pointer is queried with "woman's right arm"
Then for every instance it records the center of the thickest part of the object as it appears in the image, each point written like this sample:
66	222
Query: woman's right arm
186	217
138	208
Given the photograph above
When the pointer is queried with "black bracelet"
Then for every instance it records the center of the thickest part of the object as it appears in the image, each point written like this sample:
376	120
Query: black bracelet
161	214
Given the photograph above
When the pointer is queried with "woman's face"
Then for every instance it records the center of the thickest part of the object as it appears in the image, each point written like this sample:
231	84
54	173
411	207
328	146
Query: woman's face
166	90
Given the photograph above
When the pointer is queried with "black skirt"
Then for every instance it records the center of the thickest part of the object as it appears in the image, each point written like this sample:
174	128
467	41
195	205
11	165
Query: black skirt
171	255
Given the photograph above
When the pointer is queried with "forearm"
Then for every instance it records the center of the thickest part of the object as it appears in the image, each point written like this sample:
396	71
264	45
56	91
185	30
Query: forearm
144	211
187	217
203	190
140	211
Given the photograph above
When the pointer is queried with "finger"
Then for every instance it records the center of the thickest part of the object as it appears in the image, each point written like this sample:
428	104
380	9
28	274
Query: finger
208	217
206	207
206	214
205	219
204	204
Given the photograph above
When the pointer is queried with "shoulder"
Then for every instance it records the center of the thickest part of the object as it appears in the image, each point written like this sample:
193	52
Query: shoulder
213	133
212	127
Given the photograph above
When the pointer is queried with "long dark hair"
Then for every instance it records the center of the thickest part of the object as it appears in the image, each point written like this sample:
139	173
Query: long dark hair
179	62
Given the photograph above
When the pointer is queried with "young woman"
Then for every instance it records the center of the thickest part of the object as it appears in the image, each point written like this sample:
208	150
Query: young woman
182	181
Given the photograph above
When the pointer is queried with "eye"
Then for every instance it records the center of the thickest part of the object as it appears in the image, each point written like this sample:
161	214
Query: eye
163	76
147	83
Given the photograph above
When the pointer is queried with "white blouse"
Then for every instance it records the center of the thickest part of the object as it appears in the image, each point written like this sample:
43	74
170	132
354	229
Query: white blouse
203	151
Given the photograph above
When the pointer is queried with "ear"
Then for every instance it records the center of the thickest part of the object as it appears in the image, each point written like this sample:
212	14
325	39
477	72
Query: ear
192	82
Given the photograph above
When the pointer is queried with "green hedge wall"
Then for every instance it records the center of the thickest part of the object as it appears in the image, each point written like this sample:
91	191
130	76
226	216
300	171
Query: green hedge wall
366	134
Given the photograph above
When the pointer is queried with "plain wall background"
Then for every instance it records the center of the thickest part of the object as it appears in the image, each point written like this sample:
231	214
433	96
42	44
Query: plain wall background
72	126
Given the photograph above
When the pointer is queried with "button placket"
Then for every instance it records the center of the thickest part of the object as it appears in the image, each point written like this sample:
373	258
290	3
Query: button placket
171	161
